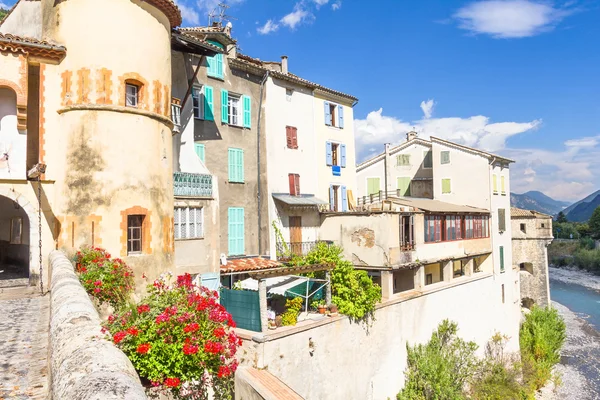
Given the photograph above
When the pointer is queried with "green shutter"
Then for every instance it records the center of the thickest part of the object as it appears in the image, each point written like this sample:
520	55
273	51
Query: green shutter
247	111
501	219
446	186
495	183
404	186
215	63
373	185
403	159
235	231
236	165
224	106
427	160
219	66
501	258
199	147
209	113
445	157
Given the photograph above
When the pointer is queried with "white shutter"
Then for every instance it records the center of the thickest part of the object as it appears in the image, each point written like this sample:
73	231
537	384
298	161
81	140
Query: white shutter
191	223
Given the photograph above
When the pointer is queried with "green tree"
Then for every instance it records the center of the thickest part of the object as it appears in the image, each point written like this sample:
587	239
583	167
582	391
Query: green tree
584	230
561	217
595	223
3	13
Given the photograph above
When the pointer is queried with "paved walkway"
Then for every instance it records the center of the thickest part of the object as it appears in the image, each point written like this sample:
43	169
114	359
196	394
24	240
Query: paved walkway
24	319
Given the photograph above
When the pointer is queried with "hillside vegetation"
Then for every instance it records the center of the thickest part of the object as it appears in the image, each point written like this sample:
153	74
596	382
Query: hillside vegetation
3	13
582	210
537	201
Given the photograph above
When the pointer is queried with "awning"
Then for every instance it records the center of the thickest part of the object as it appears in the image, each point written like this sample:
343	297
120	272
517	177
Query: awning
431	205
278	285
302	200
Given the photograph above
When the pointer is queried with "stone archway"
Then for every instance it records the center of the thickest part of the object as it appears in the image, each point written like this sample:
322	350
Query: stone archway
19	256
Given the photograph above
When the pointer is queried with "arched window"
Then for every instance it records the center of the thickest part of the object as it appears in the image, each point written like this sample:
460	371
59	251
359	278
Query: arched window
8	124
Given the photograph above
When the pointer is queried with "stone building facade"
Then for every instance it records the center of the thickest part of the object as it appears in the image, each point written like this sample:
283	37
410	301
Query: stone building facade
531	235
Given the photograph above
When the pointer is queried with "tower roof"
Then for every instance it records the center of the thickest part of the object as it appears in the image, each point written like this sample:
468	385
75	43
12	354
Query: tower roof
170	9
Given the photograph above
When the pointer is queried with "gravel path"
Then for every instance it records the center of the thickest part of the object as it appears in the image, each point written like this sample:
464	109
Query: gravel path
24	347
579	369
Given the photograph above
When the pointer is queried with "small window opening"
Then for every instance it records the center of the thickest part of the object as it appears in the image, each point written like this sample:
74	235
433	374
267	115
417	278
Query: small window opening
134	234
131	95
523	228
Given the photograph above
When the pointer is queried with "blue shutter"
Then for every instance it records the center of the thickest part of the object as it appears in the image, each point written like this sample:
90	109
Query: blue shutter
235	231
240	165
210	280
328	153
224	106
240	239
199	147
231	162
219	66
247	111
231	215
340	116
209	114
327	114
331	197
210	66
344	199
343	157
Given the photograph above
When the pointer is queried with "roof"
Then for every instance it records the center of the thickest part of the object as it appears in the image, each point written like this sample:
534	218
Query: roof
472	149
249	264
276	285
430	205
181	41
521	213
31	46
302	200
223	32
254	65
396	149
170	9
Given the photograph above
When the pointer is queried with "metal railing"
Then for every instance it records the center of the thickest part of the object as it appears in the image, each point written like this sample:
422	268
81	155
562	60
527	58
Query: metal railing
286	250
192	185
378	197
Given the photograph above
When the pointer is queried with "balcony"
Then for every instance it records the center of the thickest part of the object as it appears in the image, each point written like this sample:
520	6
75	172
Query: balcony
186	184
287	250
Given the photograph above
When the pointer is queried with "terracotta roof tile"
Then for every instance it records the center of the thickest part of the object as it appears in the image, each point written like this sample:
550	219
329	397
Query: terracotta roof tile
249	264
27	45
521	213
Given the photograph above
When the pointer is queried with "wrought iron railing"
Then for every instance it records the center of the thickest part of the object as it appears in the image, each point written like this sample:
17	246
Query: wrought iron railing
192	185
286	250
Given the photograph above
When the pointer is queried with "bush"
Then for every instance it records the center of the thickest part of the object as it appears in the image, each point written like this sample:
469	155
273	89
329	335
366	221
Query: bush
541	338
441	368
587	259
107	280
292	309
352	290
587	243
179	339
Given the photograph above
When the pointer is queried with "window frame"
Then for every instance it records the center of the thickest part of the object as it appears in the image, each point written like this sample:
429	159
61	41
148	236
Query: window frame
427	153
198	102
403	157
197	225
130	229
463	226
136	95
442	158
291	136
239	115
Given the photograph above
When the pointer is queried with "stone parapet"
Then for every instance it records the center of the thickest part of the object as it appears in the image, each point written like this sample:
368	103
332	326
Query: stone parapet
83	364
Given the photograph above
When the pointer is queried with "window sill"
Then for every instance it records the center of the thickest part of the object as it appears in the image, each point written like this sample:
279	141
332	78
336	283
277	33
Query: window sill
236	182
504	194
140	254
189	239
219	78
242	127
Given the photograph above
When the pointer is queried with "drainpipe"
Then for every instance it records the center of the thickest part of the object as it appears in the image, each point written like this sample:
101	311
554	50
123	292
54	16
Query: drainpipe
262	86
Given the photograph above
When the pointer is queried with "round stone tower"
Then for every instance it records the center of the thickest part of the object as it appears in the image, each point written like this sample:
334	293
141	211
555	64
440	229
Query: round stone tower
106	128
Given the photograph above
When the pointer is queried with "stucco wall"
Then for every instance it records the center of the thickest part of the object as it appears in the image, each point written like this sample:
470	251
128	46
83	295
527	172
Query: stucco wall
25	20
377	355
83	364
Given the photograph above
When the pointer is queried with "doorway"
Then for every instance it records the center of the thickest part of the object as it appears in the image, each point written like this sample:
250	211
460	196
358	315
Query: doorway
14	244
296	235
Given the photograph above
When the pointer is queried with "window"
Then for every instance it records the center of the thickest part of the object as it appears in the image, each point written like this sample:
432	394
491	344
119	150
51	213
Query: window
176	111
16	230
335	154
288	94
338	198
215	63
445	157
189	222
236	165
198	102
543	225
131	95
235	231
495	183
294	180
236	109
446	188
427	160
433	228
334	115
458	268
200	152
428	279
134	233
373	186
523	228
402	160
502	293
501	258
502	187
455	227
404	186
291	134
501	219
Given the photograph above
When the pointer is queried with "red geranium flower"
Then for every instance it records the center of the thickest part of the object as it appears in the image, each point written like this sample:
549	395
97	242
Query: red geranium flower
219	332
119	336
172	382
143	308
224	371
133	331
98	283
191	327
144	348
162	318
190	349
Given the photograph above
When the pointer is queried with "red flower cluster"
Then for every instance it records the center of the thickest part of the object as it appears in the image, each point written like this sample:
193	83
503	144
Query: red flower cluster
143	308
144	348
172	382
162	318
219	332
224	371
193	327
213	347
119	336
133	331
189	349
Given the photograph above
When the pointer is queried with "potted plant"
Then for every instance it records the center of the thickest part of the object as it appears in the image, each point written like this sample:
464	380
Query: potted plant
333	309
319	305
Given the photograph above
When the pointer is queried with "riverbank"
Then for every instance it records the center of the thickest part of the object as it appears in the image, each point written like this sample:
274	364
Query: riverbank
575	276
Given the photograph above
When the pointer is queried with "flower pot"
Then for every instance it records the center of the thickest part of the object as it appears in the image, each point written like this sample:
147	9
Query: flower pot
333	309
322	309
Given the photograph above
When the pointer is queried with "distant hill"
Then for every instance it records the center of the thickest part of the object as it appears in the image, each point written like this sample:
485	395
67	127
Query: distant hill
538	201
582	210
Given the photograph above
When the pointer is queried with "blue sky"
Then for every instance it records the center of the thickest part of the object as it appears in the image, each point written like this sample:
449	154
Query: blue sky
515	77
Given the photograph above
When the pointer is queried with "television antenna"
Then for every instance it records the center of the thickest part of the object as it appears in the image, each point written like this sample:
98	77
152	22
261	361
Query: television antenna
219	15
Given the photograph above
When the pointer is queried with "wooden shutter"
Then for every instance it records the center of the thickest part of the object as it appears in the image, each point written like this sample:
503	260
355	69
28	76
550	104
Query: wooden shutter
209	113
219	66
331	198
224	106
297	184
340	109
247	104
446	186
288	137
502	189
292	183
344	199
294	137
445	157
327	114
501	219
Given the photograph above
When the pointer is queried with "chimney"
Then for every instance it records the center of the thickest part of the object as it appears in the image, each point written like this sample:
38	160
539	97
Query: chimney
411	135
284	64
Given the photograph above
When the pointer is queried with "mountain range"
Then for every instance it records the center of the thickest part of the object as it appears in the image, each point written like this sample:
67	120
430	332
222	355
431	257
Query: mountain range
538	201
582	210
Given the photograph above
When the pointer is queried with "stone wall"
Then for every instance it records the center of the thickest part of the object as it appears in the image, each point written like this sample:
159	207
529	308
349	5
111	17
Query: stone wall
83	364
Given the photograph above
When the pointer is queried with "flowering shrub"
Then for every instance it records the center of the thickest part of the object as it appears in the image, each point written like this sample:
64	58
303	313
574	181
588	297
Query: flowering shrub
179	339
108	280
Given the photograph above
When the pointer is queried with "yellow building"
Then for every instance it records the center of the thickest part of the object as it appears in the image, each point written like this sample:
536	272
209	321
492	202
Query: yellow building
92	105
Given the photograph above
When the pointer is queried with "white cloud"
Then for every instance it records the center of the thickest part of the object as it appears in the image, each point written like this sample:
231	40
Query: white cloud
189	15
427	107
4	6
583	142
320	3
510	18
337	5
296	17
268	27
209	5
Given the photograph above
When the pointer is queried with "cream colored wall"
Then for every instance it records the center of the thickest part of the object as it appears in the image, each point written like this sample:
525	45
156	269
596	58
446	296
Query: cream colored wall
24	20
345	136
434	270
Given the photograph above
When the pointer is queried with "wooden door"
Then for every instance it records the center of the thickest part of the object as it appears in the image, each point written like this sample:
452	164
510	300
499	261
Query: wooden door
296	235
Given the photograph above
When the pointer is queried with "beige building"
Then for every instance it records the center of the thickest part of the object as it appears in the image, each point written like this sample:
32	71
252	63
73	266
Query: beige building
94	115
531	235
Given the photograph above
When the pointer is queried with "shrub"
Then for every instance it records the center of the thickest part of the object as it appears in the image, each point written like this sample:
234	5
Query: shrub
179	339
441	368
587	259
541	338
292	309
107	280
